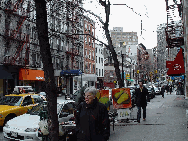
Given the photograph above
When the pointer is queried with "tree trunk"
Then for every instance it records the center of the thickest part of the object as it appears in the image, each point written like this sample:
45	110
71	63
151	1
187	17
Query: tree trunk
42	27
110	46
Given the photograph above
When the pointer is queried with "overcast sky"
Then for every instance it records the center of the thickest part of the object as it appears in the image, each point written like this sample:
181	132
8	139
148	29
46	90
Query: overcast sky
153	13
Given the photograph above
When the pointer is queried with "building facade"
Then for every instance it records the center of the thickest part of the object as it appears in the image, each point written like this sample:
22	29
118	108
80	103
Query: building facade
99	52
20	44
125	46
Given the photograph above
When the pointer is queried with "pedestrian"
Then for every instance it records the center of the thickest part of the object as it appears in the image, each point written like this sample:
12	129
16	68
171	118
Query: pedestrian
170	89
141	100
162	91
167	88
92	120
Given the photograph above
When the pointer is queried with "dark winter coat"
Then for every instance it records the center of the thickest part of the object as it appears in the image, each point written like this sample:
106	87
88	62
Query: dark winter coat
141	97
92	122
162	90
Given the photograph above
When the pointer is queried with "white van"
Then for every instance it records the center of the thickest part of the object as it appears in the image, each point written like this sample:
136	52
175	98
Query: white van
26	88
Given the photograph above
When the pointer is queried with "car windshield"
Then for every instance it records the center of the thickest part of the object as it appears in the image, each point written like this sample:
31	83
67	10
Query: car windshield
36	110
11	100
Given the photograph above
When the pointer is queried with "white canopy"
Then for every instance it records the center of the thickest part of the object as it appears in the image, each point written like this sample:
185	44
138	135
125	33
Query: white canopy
87	77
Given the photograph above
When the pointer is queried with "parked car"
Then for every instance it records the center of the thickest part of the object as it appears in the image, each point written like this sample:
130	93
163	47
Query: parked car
14	105
26	126
151	92
43	94
157	91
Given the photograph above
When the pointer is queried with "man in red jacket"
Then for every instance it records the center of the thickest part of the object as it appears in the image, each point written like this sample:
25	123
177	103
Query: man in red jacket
141	100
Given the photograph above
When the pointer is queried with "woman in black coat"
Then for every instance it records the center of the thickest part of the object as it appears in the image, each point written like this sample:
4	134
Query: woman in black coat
92	120
141	94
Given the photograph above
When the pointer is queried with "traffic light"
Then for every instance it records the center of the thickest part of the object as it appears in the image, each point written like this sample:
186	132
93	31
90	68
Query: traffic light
155	71
137	71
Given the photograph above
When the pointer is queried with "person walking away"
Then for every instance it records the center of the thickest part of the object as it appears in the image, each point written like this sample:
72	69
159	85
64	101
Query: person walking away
170	89
92	120
167	88
162	91
141	100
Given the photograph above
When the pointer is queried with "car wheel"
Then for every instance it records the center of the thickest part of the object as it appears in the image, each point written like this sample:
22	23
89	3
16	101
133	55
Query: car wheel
9	117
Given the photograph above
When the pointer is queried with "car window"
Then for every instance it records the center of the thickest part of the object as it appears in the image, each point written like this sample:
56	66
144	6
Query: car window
36	110
37	98
11	100
68	108
27	101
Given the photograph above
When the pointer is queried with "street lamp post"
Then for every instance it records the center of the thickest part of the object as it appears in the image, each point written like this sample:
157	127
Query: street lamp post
122	56
123	52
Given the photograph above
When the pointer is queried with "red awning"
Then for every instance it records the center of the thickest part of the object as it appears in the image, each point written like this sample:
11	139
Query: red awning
177	66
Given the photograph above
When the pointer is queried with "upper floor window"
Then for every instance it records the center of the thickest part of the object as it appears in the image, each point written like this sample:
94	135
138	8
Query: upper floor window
97	71
96	50
90	54
99	60
96	59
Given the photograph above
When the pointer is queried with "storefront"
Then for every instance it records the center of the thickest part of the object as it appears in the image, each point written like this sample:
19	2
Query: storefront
87	79
68	81
8	79
34	78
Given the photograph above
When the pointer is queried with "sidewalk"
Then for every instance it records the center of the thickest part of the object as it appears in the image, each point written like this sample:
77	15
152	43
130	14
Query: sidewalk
166	120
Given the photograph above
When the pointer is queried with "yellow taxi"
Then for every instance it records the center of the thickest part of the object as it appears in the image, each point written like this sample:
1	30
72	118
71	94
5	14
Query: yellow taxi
17	104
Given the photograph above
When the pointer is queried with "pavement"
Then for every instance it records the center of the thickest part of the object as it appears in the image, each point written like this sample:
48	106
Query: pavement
165	121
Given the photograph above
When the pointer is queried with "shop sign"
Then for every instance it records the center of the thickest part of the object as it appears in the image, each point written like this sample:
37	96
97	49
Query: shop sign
39	78
121	98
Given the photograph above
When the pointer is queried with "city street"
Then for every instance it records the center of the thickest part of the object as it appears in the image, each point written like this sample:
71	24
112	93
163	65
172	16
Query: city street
166	120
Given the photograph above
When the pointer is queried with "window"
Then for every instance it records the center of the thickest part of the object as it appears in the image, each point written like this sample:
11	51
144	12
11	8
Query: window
85	53
97	71
27	101
92	55
102	61
89	41
89	54
99	60
90	67
102	72
101	51
96	50
85	26
85	39
93	68
96	59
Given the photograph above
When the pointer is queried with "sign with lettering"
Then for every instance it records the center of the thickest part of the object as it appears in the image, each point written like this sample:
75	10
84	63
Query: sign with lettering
123	114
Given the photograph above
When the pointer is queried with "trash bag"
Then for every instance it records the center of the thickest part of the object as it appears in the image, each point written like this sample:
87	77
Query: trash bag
43	124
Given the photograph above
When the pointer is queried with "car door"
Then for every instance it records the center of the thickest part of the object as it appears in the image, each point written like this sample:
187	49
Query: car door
37	99
28	102
67	112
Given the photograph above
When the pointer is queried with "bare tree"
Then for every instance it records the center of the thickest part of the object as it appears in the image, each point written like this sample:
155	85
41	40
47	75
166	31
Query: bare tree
110	46
42	27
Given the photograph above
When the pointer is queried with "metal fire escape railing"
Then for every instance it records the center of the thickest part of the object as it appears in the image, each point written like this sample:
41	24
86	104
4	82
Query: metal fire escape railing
16	34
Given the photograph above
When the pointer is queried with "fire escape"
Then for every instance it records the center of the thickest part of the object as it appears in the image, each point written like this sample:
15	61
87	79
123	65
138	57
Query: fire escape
72	36
174	38
16	35
173	28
